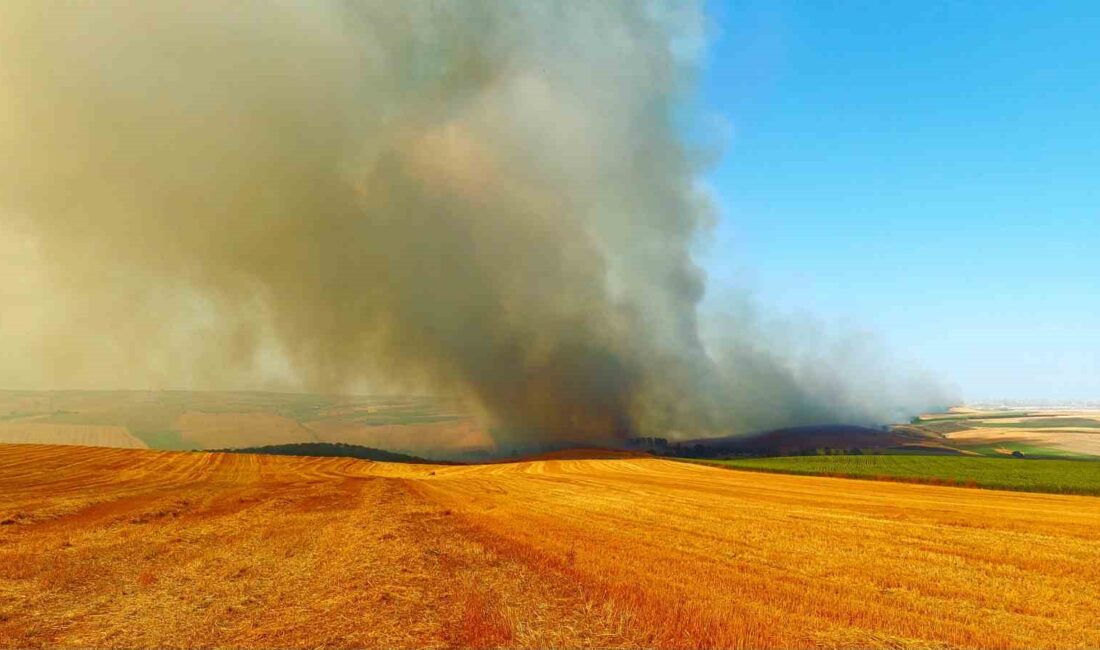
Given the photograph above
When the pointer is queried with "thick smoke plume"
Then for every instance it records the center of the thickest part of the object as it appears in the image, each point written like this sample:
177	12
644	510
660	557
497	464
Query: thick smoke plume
787	371
487	198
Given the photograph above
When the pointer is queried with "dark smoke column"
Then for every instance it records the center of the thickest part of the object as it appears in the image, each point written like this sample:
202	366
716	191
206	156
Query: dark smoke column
486	197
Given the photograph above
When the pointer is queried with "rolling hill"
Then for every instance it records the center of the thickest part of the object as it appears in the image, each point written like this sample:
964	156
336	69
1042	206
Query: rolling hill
811	439
328	450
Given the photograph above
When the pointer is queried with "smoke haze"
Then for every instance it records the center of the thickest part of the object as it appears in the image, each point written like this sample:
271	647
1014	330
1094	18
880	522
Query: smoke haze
482	198
789	371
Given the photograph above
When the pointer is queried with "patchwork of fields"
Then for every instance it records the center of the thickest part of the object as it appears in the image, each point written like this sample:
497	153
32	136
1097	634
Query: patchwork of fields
184	420
1052	433
136	548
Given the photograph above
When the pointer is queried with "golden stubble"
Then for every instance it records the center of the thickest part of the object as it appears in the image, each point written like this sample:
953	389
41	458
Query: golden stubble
124	548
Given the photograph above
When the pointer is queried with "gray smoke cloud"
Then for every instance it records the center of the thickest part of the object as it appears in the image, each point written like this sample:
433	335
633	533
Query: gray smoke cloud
483	198
784	370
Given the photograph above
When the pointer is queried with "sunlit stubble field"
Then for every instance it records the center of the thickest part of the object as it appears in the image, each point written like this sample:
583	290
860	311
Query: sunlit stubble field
135	548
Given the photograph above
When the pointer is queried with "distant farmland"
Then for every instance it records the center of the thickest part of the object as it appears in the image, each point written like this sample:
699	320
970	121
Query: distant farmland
68	434
1047	432
1056	476
183	420
118	548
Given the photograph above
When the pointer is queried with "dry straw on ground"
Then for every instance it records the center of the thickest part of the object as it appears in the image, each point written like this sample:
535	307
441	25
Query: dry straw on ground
131	548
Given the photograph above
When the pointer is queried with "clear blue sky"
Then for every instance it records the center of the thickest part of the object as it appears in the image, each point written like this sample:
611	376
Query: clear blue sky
928	171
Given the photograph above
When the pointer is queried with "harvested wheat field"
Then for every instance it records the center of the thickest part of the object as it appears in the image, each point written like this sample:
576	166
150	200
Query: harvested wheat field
136	548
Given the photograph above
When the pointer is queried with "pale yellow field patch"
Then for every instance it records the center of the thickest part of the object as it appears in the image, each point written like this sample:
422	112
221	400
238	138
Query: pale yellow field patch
88	435
224	430
1080	441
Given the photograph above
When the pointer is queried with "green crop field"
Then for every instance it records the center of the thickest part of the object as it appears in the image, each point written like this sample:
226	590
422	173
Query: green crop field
1059	476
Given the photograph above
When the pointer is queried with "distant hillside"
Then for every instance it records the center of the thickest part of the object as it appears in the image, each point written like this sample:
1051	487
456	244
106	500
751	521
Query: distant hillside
795	441
328	450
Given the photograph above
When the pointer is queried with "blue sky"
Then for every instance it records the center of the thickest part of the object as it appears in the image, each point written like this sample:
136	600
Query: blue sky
925	171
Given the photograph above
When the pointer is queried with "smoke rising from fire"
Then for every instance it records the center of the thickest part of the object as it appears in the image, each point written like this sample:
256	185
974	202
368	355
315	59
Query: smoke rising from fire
485	198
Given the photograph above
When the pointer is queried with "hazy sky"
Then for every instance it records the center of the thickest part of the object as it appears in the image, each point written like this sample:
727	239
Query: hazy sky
927	171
